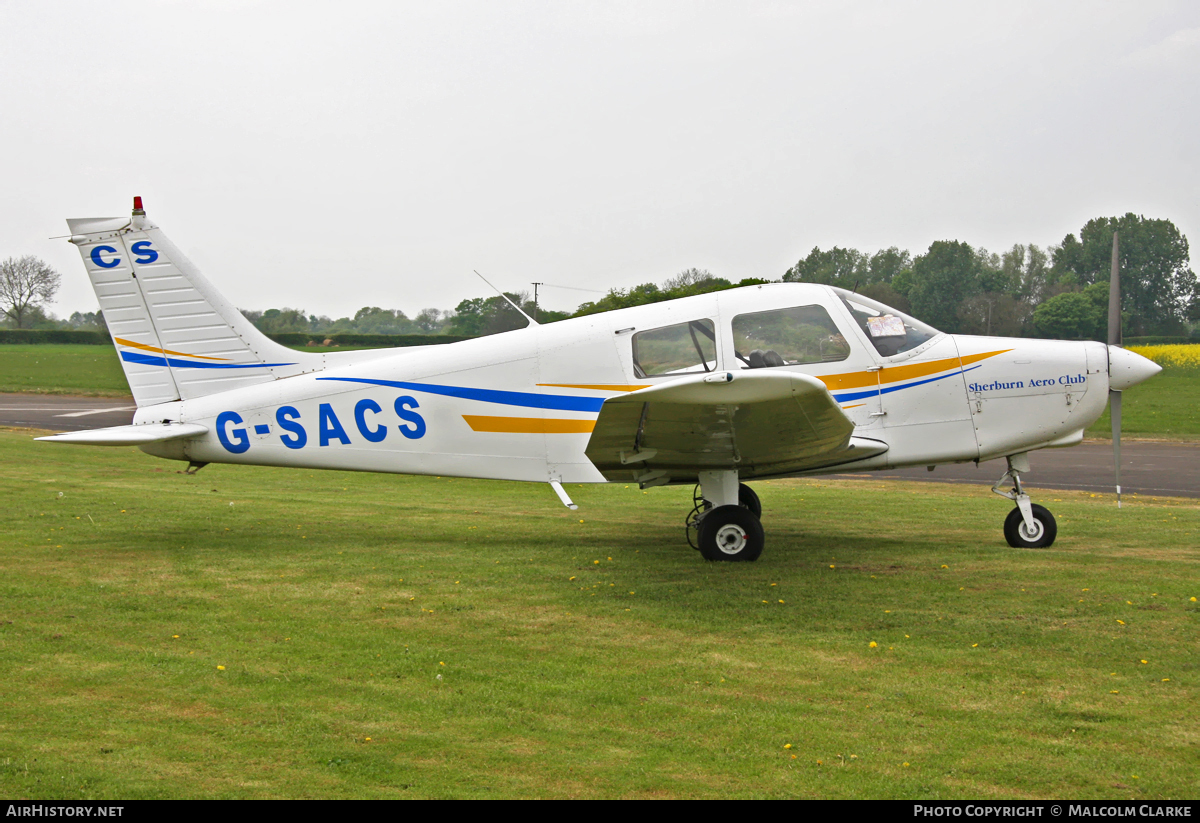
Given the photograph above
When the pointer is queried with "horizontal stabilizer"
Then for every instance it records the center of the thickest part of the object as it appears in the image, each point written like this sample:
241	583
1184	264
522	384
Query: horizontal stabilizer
130	435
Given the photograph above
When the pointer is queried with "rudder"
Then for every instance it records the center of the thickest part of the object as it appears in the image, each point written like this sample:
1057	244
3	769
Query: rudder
178	338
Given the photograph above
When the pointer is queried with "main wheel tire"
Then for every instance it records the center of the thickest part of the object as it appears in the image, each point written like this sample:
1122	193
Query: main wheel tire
1019	537
748	499
730	533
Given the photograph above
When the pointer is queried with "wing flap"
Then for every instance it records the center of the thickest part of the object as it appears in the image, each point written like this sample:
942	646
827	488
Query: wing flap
130	435
759	423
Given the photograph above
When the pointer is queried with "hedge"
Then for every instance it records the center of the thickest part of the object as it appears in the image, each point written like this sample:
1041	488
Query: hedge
353	339
287	339
95	338
1160	340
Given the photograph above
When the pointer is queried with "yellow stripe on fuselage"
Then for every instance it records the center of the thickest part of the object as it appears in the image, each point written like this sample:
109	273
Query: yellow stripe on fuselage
529	425
892	374
157	350
625	387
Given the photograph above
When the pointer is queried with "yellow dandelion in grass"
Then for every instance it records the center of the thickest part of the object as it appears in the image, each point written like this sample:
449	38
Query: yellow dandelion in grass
1191	600
873	645
1122	622
905	765
974	645
944	566
441	663
571	578
787	745
1166	680
366	740
220	668
175	636
595	562
780	601
1115	691
1145	661
1128	602
832	566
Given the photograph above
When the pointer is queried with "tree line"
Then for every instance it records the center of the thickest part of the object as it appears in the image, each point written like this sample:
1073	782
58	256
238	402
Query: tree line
1059	292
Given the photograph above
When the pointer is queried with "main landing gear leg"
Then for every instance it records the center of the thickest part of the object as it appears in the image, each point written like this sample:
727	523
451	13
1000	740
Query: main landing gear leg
1028	526
726	520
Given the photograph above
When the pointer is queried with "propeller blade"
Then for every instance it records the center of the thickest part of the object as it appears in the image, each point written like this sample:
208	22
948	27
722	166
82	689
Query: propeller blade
1114	408
1114	299
1114	339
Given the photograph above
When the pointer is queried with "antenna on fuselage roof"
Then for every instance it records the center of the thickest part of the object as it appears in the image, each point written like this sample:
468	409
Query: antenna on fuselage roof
505	296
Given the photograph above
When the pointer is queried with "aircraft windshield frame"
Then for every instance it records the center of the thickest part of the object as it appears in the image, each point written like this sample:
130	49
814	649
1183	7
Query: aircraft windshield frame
877	323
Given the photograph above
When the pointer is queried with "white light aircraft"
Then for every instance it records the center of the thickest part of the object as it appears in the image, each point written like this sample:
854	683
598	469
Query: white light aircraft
776	380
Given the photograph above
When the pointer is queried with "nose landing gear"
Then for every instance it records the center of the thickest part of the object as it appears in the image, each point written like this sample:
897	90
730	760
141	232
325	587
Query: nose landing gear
1028	526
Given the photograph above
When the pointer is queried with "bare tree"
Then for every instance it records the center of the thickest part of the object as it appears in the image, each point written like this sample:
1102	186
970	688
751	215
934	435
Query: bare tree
26	283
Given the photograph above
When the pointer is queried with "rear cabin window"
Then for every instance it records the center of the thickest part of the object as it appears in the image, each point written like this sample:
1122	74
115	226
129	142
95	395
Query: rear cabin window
684	348
787	337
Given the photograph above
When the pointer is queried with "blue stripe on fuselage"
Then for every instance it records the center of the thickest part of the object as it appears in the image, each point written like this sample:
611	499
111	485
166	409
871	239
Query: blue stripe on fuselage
842	398
158	360
559	402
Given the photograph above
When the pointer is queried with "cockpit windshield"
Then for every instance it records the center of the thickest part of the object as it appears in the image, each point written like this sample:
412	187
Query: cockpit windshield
890	331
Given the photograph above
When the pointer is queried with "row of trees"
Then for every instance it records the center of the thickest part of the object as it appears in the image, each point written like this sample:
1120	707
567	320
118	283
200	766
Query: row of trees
367	320
1060	292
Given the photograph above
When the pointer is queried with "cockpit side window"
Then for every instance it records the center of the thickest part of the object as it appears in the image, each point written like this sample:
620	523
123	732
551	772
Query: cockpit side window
890	331
684	348
787	337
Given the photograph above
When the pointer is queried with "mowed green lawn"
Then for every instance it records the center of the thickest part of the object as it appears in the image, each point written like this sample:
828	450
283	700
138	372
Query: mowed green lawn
253	632
68	368
1167	406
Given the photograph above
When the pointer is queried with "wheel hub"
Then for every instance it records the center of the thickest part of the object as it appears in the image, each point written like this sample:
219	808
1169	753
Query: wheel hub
731	539
1031	535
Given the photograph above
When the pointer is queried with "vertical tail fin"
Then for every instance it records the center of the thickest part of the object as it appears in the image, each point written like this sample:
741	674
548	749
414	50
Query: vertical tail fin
177	337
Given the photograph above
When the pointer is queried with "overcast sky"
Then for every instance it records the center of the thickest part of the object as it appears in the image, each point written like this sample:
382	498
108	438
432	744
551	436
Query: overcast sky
328	156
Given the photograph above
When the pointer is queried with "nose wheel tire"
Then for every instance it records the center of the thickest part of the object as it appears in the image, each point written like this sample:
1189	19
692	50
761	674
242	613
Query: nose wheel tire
730	533
1019	536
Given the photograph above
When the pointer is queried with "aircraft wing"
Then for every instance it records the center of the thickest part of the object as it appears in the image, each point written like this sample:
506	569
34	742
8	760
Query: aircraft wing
761	423
130	435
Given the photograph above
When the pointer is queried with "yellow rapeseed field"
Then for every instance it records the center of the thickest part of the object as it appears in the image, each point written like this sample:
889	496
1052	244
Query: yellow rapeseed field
1182	355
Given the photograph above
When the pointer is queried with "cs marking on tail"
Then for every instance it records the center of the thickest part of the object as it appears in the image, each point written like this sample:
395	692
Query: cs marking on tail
145	254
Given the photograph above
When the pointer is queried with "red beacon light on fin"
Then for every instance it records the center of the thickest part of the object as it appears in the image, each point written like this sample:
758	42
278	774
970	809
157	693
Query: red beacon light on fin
137	206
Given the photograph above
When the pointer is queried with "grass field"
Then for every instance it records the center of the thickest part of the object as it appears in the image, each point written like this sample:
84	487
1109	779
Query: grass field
253	632
92	371
1166	406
